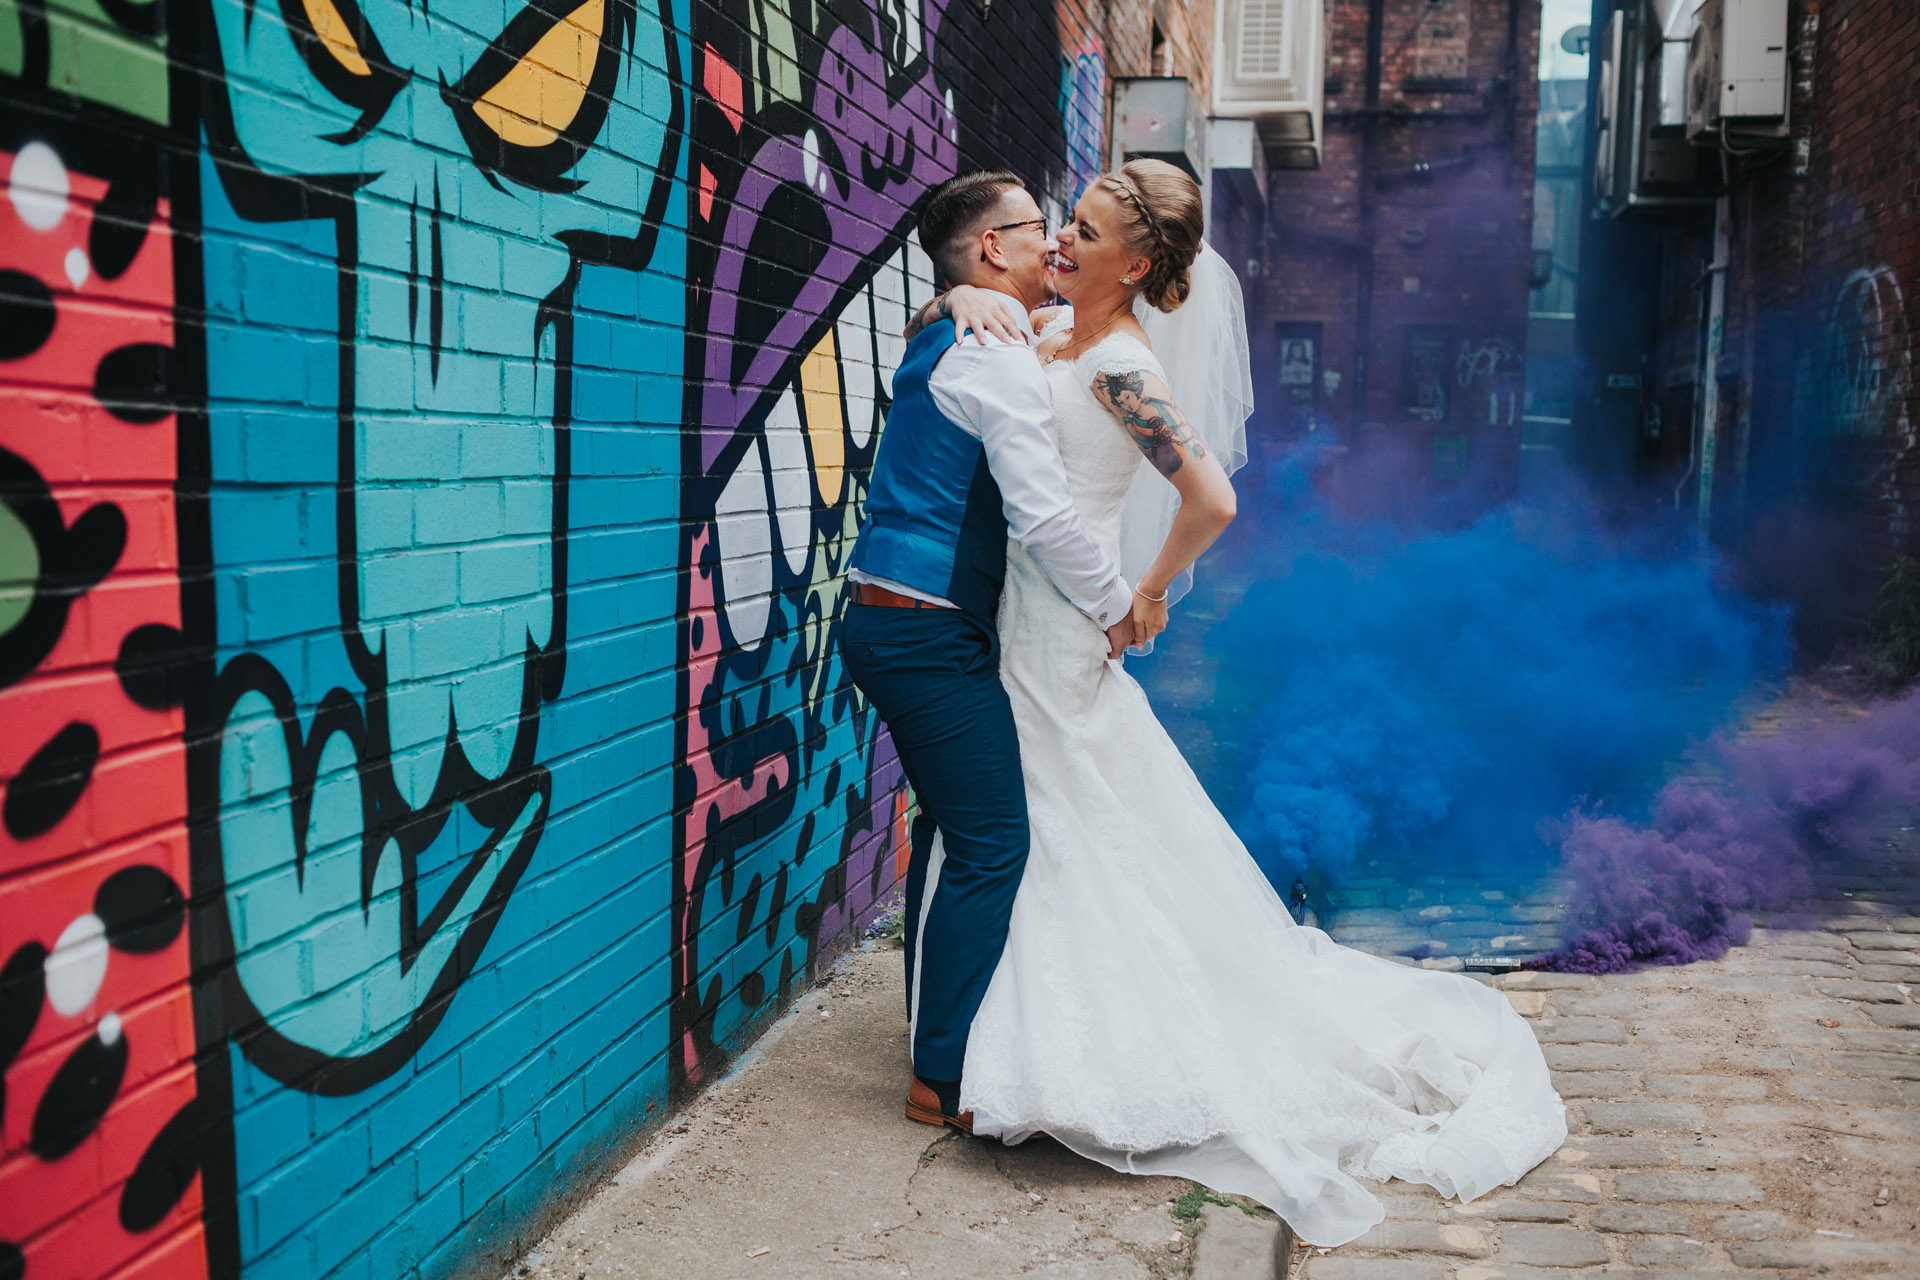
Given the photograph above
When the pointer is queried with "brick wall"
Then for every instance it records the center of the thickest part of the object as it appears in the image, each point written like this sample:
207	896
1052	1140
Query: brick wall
1817	474
1829	264
432	444
1427	196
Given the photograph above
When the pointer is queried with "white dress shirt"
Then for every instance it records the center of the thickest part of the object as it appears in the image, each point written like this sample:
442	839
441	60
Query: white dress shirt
999	394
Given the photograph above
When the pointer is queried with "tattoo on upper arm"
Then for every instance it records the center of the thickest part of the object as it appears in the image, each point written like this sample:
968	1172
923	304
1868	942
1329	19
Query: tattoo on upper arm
1154	421
935	309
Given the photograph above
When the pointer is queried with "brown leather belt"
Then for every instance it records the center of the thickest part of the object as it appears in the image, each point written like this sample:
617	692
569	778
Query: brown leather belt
868	593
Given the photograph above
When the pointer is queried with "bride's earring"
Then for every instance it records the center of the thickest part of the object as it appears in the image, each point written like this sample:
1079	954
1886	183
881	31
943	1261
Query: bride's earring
1126	279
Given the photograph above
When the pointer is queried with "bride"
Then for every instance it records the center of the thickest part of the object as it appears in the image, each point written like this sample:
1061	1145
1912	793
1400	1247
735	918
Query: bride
1156	1007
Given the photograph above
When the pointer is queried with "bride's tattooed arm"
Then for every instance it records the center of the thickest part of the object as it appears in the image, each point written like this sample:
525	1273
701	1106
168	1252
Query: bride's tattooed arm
1146	409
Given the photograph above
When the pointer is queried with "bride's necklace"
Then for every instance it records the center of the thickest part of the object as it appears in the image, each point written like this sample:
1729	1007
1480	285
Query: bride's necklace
1067	352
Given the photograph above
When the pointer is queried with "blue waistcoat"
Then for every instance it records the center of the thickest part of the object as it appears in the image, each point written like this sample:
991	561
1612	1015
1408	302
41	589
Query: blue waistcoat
934	520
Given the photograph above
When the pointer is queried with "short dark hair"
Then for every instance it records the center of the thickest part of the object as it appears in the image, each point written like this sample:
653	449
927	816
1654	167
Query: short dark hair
954	213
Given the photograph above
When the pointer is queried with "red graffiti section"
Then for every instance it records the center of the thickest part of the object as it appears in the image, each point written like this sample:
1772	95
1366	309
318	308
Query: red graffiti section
97	1131
718	797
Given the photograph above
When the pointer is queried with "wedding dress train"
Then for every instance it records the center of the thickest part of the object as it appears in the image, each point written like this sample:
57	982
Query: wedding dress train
1156	1008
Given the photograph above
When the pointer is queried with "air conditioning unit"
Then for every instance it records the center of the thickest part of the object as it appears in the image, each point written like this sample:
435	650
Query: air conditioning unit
1608	100
1267	65
1737	69
1642	162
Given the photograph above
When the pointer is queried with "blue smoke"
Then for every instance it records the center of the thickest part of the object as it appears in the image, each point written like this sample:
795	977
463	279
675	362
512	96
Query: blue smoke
1368	689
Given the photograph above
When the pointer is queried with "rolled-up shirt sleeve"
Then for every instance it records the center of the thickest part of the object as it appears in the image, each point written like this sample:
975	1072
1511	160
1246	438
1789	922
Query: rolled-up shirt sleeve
999	392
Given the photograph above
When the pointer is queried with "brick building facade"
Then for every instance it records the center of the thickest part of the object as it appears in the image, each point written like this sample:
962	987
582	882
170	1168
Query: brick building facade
1390	304
1808	442
433	437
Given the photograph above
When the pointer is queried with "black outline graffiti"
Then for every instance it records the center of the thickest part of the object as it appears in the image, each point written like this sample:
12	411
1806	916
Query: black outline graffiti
540	167
73	560
263	197
738	724
494	804
371	91
140	903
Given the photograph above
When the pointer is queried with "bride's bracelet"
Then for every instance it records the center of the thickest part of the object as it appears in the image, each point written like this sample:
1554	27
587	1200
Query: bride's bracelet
1159	599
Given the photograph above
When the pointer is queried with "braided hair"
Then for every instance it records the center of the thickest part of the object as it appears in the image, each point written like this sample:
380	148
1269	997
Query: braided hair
1162	220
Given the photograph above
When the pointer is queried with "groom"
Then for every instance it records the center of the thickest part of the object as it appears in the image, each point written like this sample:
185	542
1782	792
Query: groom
968	460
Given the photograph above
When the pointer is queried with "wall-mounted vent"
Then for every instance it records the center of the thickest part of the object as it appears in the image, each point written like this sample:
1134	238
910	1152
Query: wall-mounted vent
1159	118
1267	59
1264	27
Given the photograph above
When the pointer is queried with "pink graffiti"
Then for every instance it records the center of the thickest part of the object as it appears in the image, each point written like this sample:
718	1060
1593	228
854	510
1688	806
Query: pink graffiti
715	798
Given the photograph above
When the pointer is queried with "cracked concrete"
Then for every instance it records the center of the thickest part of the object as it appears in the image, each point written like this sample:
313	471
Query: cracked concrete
802	1152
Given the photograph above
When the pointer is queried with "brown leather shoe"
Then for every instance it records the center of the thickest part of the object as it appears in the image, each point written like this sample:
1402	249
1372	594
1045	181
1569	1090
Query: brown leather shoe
923	1105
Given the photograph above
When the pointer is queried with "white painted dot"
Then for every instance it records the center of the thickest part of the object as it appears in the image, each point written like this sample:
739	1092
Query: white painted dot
110	1030
78	965
38	186
78	268
810	157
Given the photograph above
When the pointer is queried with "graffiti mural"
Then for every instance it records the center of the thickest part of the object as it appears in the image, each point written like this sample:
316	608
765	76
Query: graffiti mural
452	399
96	1017
432	444
1083	105
1869	381
1867	348
111	52
807	175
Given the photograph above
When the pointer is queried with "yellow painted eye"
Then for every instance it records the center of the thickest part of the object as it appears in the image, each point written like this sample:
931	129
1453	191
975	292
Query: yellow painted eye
537	99
332	31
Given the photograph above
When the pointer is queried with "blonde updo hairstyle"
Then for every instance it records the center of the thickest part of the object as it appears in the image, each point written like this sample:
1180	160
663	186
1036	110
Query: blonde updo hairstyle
1161	220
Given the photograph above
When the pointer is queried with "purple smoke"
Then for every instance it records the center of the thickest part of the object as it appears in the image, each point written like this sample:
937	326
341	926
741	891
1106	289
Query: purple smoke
1682	887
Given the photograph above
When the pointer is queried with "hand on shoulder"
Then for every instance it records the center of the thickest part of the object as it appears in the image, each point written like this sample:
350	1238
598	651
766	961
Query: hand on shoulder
982	312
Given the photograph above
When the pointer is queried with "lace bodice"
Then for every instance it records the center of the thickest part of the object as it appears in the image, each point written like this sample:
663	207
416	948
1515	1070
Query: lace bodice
1101	459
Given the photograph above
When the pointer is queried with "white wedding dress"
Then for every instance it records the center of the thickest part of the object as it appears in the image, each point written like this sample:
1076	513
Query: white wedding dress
1156	1008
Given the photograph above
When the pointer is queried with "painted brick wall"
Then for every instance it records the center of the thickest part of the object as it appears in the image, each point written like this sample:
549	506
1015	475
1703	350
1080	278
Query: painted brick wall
432	438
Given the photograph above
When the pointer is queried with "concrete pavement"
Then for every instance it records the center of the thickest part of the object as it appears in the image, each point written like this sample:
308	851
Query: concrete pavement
1757	1116
800	1164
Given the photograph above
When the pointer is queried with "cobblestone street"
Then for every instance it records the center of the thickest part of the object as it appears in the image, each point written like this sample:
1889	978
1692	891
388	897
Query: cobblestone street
1756	1116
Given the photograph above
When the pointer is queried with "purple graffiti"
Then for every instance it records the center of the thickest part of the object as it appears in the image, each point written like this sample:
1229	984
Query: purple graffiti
871	867
864	160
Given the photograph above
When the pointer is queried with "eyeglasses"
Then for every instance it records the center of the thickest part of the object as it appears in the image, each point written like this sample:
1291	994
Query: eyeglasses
1024	222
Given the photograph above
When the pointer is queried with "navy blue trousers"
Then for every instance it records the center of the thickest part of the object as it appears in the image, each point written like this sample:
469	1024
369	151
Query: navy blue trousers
934	677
